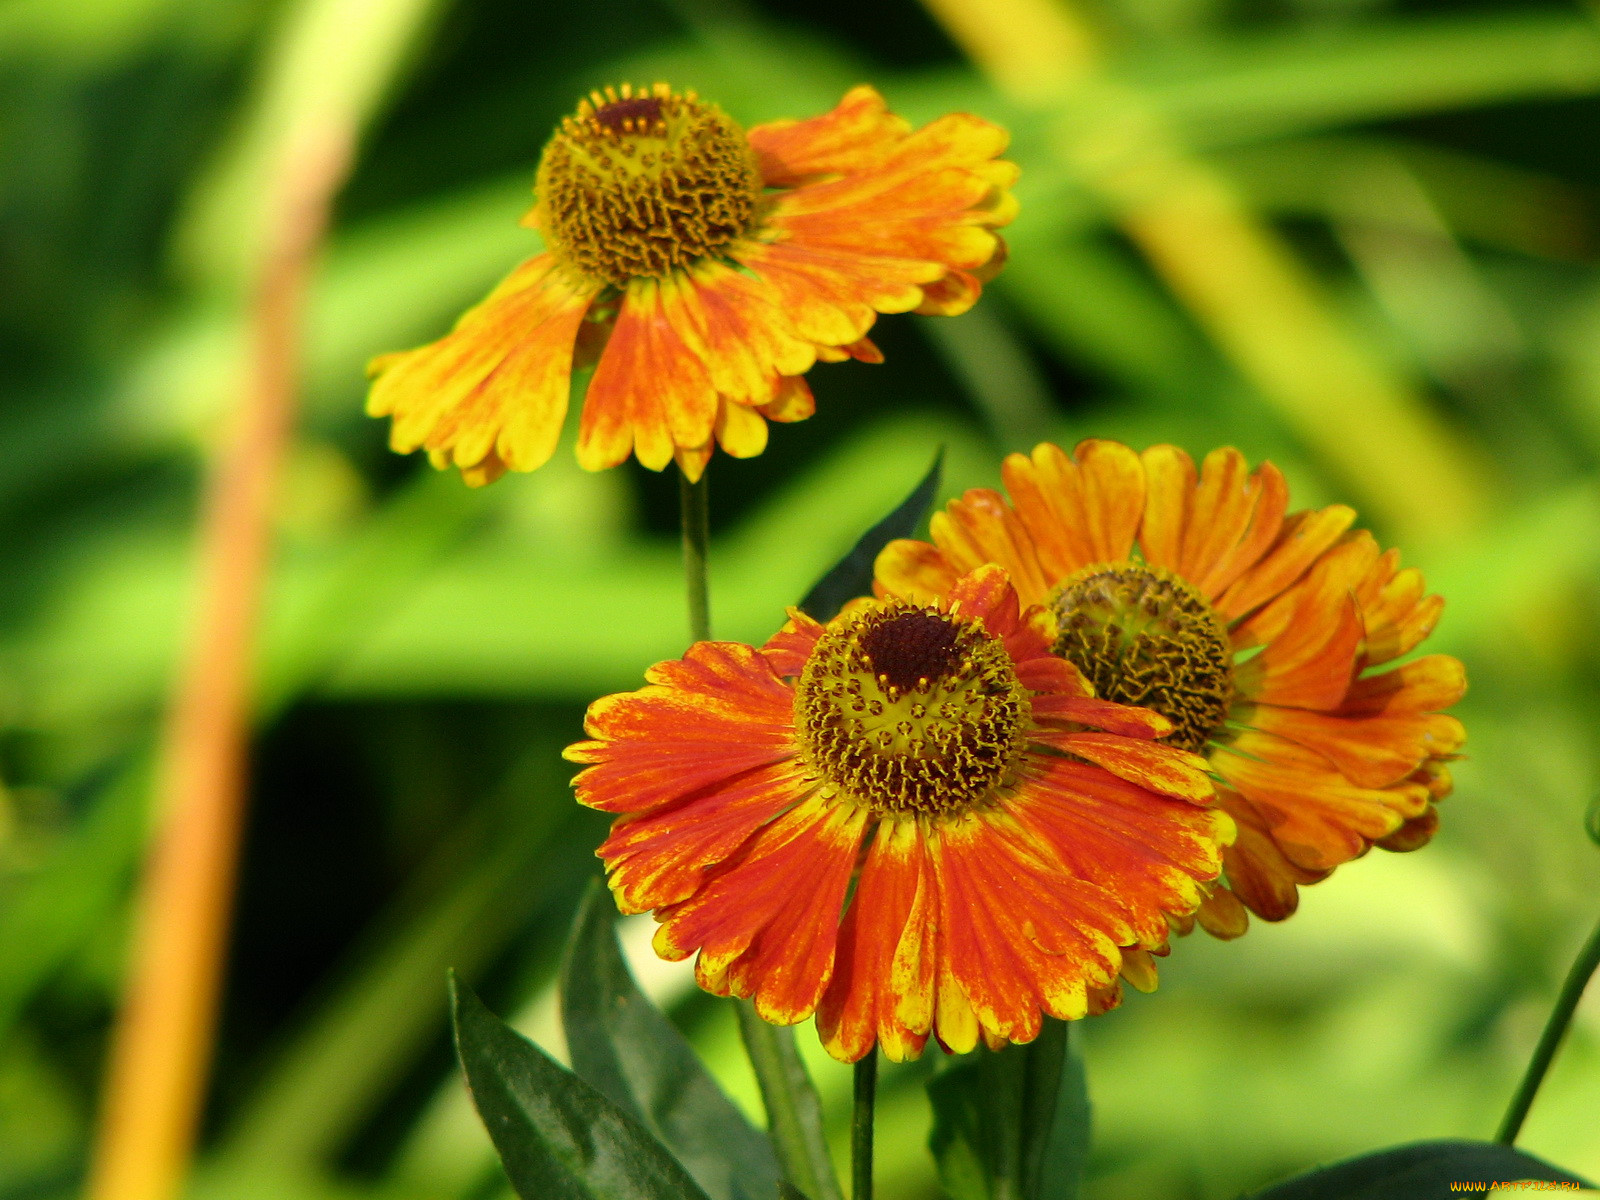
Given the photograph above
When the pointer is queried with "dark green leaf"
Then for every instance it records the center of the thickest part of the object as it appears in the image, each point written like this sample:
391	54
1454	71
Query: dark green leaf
1420	1171
1013	1123
1592	820
788	1191
623	1046
558	1138
851	576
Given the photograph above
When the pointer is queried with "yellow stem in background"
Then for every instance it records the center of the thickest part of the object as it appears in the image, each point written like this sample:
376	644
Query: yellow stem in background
1235	274
161	1045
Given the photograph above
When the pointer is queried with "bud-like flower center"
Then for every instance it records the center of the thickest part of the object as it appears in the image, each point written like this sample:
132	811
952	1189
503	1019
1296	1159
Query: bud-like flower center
1143	636
909	710
641	184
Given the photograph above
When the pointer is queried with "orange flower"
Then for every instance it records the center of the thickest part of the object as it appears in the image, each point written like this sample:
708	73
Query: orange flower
1258	634
701	270
1015	842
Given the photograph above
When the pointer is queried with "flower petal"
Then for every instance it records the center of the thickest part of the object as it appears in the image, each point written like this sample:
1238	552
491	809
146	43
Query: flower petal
882	988
651	392
767	925
1079	510
496	385
1148	855
660	856
855	136
719	711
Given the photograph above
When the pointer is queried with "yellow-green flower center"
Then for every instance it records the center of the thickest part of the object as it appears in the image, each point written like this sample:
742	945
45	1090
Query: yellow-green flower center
909	710
1143	636
642	184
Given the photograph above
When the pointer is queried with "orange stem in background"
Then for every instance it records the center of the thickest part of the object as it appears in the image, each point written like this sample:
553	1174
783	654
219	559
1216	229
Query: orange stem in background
161	1046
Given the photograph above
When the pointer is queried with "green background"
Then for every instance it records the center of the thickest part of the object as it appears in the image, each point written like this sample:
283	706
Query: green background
428	650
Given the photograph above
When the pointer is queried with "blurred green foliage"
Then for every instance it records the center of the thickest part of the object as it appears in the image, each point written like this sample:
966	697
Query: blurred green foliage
429	650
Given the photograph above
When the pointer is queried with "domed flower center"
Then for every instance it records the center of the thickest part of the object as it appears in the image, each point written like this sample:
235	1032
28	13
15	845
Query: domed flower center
908	710
1143	636
643	184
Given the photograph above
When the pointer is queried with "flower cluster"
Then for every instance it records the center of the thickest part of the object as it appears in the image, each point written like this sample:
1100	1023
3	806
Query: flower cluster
1127	696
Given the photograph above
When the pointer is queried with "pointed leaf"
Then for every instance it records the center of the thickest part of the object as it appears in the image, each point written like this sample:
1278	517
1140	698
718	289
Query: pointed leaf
621	1045
557	1137
1418	1171
1013	1123
851	576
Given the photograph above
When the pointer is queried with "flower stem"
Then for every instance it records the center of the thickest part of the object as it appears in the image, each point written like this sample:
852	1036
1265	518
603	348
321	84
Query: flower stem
1583	967
694	506
861	1126
794	1111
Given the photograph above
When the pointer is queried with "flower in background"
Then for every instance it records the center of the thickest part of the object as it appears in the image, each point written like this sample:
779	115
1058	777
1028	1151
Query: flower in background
1015	843
701	270
1259	635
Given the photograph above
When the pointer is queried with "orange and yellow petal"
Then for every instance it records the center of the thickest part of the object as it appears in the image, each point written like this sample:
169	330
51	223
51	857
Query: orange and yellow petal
660	856
1020	937
1150	854
651	393
706	718
766	923
857	134
1080	509
494	390
882	990
1317	816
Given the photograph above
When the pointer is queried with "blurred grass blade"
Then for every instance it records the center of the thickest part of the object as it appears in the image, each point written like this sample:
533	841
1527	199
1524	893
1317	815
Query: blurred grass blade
851	576
57	911
1013	1124
621	1045
1422	1169
558	1138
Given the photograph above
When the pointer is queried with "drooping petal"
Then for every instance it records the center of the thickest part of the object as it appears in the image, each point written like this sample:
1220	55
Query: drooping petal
767	925
882	990
1259	874
651	392
1314	814
660	856
495	386
1152	853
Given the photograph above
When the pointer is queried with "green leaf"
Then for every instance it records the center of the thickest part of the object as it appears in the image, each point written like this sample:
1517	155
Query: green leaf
851	576
1419	1171
1013	1123
557	1137
621	1045
1591	820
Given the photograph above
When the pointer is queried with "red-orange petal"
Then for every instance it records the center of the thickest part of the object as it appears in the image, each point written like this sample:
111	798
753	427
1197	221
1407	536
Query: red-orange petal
766	925
882	988
660	856
1369	751
715	713
1149	854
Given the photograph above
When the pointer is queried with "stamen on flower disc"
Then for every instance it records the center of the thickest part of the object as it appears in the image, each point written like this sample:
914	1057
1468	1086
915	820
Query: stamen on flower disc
1144	636
911	710
643	184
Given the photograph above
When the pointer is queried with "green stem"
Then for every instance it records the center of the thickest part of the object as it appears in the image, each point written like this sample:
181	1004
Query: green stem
794	1112
861	1126
694	506
1550	1040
